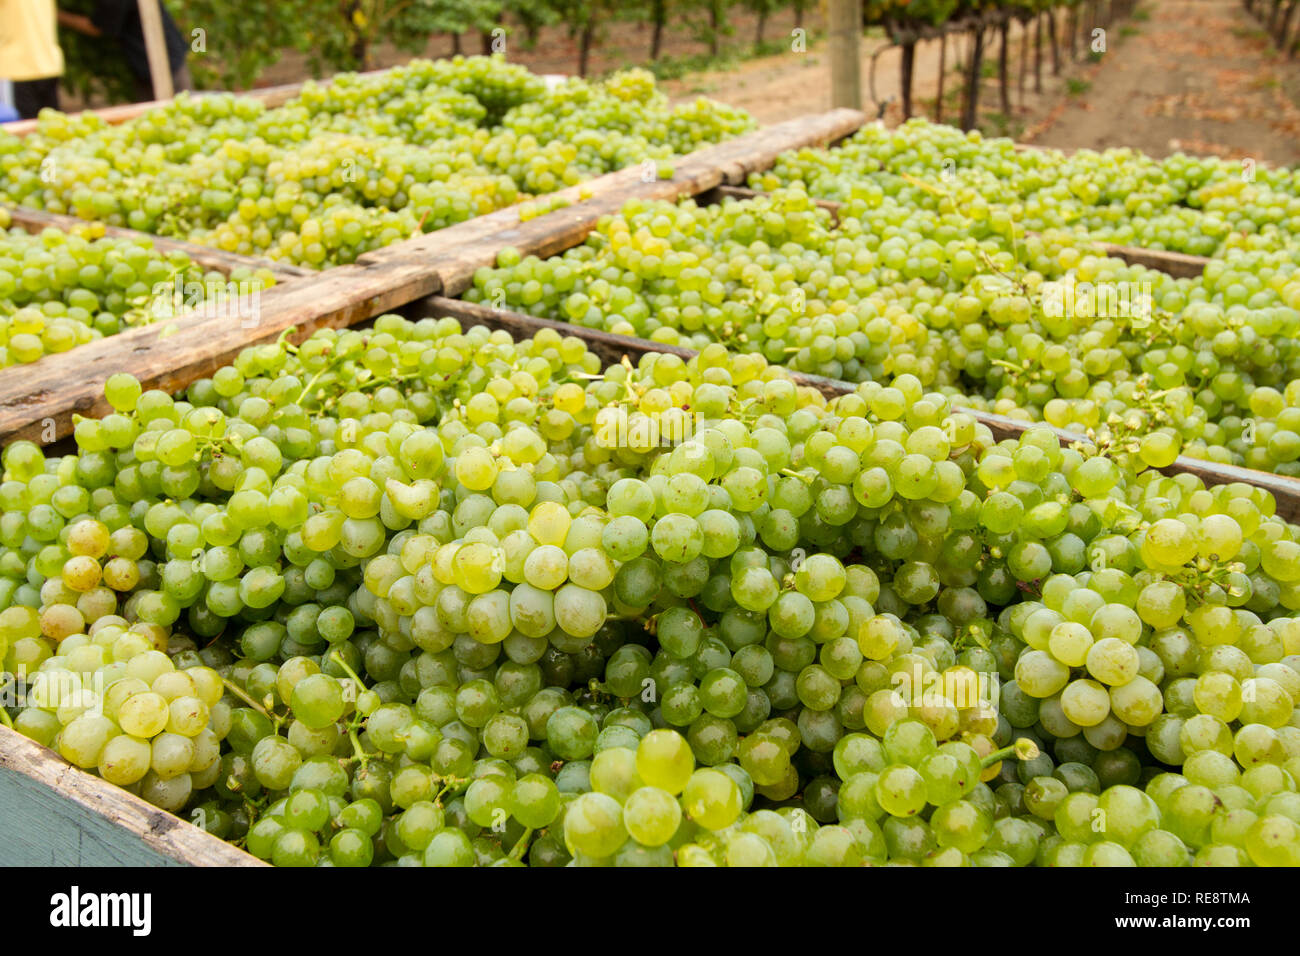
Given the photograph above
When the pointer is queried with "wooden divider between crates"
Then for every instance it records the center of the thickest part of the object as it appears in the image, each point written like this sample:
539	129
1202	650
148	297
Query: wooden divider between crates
58	815
1177	264
611	348
39	401
37	220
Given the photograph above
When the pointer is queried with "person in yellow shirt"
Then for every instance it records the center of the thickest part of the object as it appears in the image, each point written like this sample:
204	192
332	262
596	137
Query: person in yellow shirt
30	55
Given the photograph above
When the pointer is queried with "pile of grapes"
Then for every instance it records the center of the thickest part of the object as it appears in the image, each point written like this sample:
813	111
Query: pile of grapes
357	164
1195	205
59	290
1040	328
415	595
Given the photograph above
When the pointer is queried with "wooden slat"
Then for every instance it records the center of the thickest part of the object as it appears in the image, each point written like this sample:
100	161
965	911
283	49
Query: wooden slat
611	348
36	220
155	46
40	401
1177	264
459	251
41	398
269	96
57	815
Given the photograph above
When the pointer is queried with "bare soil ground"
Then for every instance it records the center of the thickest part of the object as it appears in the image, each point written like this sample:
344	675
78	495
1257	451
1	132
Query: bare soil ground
1193	75
1199	76
620	44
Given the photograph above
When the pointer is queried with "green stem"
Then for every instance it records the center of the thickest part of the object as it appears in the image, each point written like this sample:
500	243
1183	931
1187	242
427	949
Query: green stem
358	752
244	696
519	849
1022	749
337	658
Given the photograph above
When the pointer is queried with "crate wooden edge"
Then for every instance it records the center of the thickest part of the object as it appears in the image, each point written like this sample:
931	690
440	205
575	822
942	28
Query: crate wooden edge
464	247
37	220
144	830
612	348
1180	265
269	96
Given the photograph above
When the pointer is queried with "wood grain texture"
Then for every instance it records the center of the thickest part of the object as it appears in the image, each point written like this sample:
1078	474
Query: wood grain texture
49	392
57	815
457	252
1177	264
611	348
37	220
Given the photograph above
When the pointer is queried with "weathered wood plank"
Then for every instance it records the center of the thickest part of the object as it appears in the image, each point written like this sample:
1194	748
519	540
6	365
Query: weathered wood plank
36	220
612	348
457	252
39	400
57	815
1177	264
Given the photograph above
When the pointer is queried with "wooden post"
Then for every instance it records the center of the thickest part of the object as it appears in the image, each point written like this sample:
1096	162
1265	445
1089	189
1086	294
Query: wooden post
160	68
1285	26
1024	60
845	27
1038	53
943	56
1056	48
905	61
1004	85
970	107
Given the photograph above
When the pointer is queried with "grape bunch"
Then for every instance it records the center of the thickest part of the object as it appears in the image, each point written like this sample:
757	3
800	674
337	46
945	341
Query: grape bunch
1182	203
59	290
352	166
1040	328
417	595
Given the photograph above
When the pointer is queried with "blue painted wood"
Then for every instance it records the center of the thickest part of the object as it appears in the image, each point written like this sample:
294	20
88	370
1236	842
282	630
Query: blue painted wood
53	814
40	826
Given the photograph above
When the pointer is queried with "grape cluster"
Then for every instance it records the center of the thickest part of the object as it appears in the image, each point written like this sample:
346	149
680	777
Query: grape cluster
59	290
1182	203
1042	328
415	595
355	165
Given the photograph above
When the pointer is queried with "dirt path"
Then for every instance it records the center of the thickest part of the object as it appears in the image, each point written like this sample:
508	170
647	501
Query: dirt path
1192	75
1199	76
795	83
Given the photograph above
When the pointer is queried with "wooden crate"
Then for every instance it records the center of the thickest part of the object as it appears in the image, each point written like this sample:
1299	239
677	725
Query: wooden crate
1177	264
56	815
612	348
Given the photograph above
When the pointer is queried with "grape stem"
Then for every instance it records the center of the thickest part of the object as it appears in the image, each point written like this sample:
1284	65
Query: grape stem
358	752
337	658
243	695
521	847
1022	749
